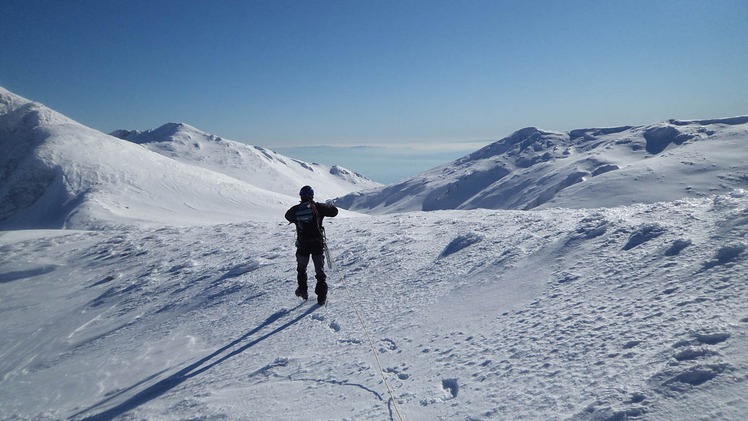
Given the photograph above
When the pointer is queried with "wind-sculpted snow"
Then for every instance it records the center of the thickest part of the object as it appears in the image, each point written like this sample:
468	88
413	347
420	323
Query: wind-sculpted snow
626	313
584	168
459	243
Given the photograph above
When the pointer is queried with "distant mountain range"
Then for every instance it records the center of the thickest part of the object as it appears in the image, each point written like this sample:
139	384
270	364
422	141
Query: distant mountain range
585	168
55	172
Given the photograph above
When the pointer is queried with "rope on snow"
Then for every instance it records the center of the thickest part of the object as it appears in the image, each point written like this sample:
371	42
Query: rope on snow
366	331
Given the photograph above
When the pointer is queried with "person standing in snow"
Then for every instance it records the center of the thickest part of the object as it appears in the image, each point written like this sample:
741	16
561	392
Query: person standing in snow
308	216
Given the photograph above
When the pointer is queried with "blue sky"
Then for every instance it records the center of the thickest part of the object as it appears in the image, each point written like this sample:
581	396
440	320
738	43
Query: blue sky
281	73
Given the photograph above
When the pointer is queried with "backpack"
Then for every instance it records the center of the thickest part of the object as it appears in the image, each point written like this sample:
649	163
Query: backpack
307	222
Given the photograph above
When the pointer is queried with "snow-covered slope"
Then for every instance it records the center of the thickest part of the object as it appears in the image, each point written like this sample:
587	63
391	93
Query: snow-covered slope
611	314
57	173
252	164
629	312
583	168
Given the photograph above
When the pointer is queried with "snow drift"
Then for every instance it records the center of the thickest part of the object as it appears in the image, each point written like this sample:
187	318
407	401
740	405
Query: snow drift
535	169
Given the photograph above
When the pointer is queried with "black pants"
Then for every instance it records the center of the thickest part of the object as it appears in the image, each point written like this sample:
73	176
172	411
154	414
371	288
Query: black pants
314	250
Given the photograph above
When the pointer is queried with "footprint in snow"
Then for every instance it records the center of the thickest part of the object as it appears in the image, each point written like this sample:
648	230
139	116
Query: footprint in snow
391	345
451	388
334	326
399	373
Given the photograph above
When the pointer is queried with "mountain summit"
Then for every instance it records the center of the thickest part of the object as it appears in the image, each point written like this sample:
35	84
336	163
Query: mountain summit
255	165
599	167
57	173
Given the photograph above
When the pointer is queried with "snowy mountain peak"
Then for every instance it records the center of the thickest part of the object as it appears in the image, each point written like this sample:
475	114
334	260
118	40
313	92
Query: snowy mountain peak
255	165
19	112
729	121
591	134
525	147
597	167
167	132
10	101
56	173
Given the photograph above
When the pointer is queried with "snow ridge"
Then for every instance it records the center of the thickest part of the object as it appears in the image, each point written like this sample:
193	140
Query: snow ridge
534	169
255	165
57	173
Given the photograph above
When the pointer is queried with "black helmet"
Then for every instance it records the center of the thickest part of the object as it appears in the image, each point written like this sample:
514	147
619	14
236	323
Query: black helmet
306	191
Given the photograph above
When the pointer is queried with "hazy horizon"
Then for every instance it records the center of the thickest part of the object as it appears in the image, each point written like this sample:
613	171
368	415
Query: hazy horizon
292	73
385	164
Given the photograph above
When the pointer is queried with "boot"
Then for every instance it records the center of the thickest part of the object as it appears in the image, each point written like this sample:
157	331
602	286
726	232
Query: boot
321	290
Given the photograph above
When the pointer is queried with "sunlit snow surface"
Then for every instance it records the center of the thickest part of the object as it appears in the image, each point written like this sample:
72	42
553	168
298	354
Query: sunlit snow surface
57	173
585	168
170	295
583	314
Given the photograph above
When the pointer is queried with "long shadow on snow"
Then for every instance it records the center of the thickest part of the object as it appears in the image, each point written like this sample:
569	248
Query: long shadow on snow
154	391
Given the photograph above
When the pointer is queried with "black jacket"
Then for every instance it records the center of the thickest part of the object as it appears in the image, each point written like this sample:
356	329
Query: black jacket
308	216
